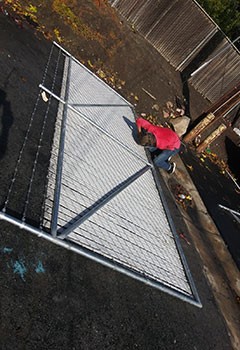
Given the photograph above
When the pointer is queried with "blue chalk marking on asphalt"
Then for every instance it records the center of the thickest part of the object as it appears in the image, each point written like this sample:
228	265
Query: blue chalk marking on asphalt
20	269
40	268
7	250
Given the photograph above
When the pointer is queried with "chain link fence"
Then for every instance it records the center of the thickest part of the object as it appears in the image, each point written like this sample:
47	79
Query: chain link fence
99	196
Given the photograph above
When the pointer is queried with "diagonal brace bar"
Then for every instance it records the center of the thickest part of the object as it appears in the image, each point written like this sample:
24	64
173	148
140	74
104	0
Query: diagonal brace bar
79	219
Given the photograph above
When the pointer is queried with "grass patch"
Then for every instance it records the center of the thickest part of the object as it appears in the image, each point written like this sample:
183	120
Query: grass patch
69	17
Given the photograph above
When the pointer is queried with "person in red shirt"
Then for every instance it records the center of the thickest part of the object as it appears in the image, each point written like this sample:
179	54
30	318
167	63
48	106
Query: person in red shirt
164	139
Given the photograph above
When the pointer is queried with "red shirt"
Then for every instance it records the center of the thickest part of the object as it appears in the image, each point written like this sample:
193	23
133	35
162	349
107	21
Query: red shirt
165	138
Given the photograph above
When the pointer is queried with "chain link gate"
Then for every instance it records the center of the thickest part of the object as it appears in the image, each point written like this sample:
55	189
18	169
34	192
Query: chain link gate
101	198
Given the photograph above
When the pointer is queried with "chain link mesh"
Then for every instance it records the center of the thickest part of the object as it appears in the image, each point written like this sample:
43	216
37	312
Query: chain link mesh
80	152
99	154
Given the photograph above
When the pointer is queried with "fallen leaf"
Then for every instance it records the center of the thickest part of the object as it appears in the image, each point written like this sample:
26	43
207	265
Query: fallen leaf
190	167
44	96
90	64
101	74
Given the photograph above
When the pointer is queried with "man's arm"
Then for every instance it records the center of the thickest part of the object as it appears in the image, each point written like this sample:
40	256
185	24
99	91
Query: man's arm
143	124
138	123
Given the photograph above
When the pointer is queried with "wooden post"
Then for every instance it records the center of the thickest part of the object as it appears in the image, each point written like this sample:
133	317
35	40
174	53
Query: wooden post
199	128
215	134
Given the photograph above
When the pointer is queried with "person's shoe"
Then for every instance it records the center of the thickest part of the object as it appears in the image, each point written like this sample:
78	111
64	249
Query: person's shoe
172	169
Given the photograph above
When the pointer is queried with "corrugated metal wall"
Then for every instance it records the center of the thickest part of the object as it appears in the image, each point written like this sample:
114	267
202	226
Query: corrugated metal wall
179	30
219	75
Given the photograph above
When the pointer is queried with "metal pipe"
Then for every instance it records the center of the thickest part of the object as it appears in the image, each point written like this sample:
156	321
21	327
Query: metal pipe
97	105
99	204
228	209
229	98
176	237
229	110
94	124
100	259
90	72
231	177
60	157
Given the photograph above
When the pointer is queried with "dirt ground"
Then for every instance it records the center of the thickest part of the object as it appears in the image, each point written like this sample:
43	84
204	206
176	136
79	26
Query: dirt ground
60	300
94	33
112	49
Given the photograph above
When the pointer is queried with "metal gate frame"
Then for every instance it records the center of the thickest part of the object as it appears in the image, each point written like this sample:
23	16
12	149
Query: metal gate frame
61	239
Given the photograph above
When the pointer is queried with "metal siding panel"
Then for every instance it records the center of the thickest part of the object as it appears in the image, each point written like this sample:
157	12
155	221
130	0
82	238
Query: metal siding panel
157	22
178	30
220	74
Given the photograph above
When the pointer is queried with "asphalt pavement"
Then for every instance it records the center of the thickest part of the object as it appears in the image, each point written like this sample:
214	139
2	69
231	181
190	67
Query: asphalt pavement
55	299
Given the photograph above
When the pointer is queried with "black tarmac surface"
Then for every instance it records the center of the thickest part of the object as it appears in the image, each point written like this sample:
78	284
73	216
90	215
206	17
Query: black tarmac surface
217	188
54	299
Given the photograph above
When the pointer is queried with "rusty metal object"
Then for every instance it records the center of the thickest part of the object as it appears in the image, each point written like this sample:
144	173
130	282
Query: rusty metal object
199	128
225	102
214	118
215	134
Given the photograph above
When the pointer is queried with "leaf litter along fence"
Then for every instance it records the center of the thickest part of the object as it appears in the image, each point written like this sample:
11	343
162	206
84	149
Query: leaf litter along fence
101	197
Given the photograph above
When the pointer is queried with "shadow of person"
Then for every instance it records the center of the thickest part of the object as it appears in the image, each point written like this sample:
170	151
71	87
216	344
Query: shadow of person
133	127
6	121
233	153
